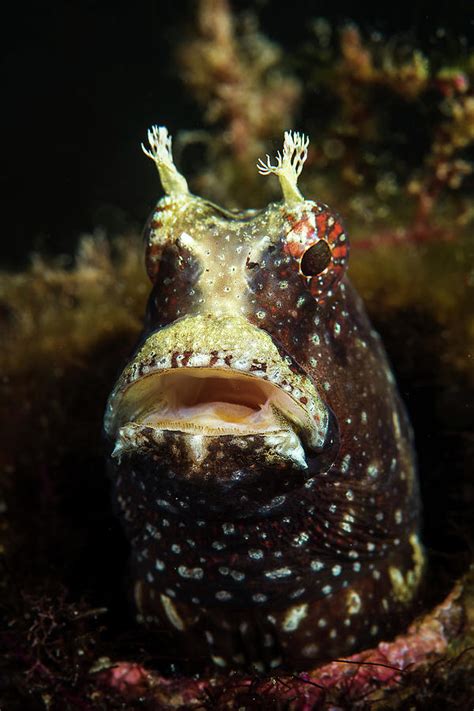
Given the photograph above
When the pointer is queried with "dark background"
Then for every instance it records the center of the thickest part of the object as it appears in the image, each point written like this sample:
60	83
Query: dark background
82	81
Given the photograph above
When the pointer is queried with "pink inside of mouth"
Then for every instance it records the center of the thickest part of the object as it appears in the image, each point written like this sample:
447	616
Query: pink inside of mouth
222	401
215	401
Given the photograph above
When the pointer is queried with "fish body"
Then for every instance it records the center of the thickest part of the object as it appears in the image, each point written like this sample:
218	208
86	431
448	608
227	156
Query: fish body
262	460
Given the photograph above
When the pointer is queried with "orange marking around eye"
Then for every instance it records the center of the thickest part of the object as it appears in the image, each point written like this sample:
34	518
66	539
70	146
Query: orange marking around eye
303	235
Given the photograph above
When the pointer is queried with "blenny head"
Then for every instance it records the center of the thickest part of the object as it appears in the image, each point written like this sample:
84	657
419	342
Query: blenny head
216	394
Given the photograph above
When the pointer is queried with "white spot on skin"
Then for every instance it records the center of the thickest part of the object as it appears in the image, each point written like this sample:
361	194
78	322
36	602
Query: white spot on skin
259	597
194	573
300	539
396	424
255	553
278	573
198	360
345	463
372	471
197	447
336	570
172	613
219	661
354	603
223	595
293	617
316	565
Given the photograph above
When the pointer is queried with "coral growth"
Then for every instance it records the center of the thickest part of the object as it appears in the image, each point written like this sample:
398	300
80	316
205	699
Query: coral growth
240	79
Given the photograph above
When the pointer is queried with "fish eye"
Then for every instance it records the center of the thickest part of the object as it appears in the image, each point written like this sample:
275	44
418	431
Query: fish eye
316	259
320	248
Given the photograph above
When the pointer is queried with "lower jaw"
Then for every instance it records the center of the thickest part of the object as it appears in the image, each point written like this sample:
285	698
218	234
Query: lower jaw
193	445
234	476
234	479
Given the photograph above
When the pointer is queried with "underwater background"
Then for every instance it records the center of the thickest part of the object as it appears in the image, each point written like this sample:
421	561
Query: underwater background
386	96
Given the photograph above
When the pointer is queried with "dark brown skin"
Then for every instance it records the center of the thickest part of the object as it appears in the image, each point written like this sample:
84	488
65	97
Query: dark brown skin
276	546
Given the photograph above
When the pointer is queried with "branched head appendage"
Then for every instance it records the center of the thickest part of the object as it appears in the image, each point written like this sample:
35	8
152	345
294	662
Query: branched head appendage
289	165
160	152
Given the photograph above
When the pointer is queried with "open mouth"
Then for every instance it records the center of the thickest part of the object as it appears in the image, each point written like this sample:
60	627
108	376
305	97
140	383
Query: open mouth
196	391
213	402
